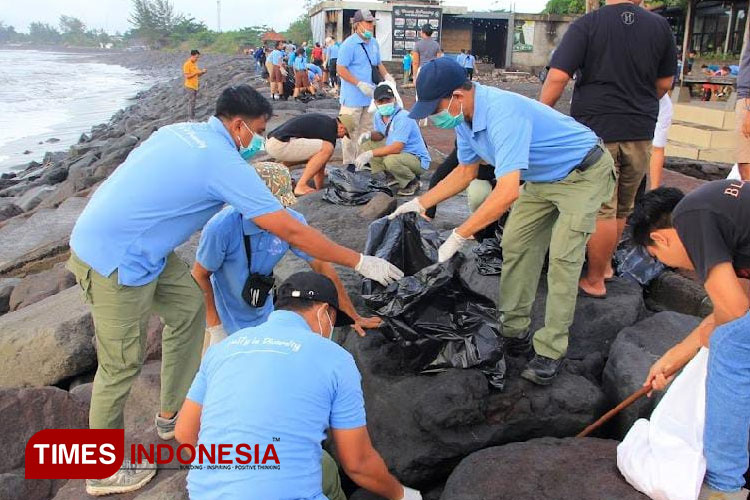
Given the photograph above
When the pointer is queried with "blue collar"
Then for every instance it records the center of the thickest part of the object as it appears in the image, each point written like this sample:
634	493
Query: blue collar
219	128
479	120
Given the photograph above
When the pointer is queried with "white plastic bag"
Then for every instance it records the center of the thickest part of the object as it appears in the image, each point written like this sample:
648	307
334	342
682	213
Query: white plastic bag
663	458
735	173
373	107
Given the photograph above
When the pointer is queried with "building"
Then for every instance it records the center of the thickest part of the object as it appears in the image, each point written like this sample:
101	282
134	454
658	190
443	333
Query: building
270	38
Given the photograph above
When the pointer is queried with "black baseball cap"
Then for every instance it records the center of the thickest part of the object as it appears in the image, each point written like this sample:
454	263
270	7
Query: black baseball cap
437	80
427	29
312	286
383	91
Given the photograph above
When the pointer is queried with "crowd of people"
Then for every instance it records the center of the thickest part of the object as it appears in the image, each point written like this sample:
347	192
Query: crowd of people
245	358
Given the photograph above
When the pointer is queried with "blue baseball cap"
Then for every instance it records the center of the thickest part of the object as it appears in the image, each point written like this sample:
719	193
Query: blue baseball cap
437	80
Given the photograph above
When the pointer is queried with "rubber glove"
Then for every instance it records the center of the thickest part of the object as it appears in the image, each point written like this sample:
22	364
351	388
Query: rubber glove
365	137
363	159
410	494
453	244
216	334
378	269
367	89
412	205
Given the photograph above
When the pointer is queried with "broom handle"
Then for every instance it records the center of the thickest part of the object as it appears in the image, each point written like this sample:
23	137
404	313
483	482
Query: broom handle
617	409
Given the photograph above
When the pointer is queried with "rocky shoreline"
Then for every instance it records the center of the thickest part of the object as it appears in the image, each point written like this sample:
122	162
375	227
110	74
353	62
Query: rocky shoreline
449	434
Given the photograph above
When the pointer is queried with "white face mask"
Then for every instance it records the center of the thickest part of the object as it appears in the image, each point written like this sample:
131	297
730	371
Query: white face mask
320	326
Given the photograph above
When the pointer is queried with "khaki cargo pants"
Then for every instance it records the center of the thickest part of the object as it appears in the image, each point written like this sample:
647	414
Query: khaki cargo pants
404	167
331	478
560	216
121	316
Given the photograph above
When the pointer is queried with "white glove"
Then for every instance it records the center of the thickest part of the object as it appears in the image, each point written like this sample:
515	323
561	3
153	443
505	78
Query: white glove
453	244
412	205
367	89
216	334
365	137
362	159
378	269
389	78
410	494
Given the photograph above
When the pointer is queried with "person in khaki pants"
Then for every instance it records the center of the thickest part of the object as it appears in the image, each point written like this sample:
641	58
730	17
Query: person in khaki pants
568	174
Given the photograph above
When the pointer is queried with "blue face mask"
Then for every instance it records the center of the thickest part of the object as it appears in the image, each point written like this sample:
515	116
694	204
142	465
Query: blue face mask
367	34
257	144
386	109
444	119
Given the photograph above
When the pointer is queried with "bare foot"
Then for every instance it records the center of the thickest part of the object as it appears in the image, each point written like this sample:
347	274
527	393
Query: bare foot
303	190
609	273
593	289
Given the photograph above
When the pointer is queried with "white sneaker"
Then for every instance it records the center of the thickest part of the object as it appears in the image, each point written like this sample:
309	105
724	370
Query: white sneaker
130	477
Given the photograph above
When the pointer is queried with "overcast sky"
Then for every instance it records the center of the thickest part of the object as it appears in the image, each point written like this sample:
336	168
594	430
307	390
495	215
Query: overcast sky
112	15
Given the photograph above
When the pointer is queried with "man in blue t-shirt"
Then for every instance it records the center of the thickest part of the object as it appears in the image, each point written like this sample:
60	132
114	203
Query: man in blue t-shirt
284	384
396	146
276	58
122	254
567	174
223	263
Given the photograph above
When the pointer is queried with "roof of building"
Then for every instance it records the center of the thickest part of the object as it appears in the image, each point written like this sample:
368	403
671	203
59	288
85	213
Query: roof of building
272	36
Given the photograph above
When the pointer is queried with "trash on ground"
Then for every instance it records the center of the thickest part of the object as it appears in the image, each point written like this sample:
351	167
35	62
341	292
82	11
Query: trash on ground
354	188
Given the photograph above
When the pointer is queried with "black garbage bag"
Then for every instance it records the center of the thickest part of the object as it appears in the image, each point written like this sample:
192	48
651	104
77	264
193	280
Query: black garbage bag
489	257
432	314
354	188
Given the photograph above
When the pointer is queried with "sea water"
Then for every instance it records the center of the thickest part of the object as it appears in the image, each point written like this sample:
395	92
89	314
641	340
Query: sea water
53	95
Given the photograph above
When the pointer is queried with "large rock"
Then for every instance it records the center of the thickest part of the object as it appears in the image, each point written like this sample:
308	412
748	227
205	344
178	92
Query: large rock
48	230
47	342
633	352
8	208
33	197
39	286
424	424
14	486
671	291
553	469
6	289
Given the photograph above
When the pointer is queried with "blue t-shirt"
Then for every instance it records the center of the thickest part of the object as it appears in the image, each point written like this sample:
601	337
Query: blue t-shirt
300	63
314	69
514	132
333	51
468	61
407	62
222	251
276	57
166	190
278	383
404	130
352	56
460	59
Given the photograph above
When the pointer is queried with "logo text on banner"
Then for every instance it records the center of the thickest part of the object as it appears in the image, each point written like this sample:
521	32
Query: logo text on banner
74	453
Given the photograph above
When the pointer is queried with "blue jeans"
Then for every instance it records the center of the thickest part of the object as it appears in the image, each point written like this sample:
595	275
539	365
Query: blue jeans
725	438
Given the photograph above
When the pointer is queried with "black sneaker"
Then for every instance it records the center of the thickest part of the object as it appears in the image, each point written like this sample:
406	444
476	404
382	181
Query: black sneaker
351	168
542	370
390	180
518	346
410	189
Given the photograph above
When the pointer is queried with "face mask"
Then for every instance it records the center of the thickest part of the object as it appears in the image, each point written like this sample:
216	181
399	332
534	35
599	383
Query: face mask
367	34
444	119
386	109
320	327
257	143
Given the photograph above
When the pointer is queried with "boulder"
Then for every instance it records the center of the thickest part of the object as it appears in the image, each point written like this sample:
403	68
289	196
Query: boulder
554	469
24	412
55	174
423	425
632	354
47	342
39	286
82	392
379	206
671	291
33	197
6	289
8	208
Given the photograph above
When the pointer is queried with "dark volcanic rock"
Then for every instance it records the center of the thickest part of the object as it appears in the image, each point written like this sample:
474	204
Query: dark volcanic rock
33	197
379	206
39	286
14	486
632	354
8	208
550	469
672	291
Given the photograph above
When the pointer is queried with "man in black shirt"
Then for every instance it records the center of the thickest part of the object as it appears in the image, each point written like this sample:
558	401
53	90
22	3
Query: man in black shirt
626	59
311	139
708	231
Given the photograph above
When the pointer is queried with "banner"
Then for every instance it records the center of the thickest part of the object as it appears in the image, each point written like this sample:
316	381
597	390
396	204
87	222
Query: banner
523	36
407	25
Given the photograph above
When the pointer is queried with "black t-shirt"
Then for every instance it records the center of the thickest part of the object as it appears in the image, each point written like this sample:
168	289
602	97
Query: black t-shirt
713	223
307	126
620	50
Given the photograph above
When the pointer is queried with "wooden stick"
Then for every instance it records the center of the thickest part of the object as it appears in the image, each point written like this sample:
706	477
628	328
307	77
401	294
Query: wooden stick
617	409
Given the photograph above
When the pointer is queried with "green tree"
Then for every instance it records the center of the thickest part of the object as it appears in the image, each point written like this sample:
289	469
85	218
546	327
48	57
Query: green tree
43	33
565	7
8	34
299	31
154	21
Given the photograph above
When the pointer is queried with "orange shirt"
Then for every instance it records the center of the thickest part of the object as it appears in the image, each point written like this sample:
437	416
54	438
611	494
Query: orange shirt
188	68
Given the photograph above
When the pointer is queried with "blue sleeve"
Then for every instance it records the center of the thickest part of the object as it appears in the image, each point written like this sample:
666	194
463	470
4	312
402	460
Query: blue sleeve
238	184
402	128
197	392
348	408
212	248
296	251
512	141
466	154
345	55
376	59
377	123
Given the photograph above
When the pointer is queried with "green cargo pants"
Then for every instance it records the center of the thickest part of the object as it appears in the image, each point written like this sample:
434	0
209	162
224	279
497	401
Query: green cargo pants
331	479
120	319
477	192
403	166
560	216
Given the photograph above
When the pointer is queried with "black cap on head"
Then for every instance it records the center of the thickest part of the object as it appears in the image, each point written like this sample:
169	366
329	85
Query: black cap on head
383	91
437	80
427	29
195	52
315	287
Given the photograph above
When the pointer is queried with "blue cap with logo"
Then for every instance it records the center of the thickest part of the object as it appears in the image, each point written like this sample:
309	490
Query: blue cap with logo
437	80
